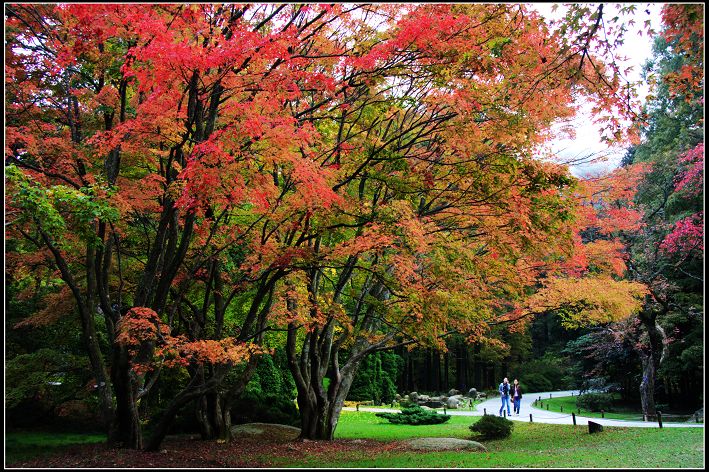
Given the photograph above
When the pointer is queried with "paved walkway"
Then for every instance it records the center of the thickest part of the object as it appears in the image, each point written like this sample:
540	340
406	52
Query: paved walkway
543	416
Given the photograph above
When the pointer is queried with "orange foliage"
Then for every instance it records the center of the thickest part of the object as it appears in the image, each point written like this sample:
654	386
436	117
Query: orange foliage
142	325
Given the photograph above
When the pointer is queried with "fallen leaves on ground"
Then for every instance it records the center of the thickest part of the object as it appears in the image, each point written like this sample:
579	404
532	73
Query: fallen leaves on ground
188	452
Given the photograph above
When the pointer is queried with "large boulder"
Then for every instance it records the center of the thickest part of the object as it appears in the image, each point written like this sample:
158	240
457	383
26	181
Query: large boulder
270	431
414	397
423	399
444	444
473	393
453	403
453	391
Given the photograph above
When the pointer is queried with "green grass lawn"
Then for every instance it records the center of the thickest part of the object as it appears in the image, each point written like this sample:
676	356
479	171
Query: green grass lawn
568	404
23	445
531	445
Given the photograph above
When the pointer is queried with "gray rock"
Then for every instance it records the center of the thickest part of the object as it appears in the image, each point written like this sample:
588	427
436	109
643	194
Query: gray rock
281	431
444	444
414	397
397	397
434	404
453	403
453	391
473	393
698	416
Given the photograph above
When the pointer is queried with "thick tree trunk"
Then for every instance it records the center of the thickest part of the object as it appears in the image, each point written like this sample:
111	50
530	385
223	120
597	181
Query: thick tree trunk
647	386
651	359
191	392
319	416
213	416
126	431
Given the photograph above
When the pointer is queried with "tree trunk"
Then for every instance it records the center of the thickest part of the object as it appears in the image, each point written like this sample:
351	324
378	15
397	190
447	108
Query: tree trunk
319	416
647	386
651	359
446	378
214	416
202	415
192	391
127	431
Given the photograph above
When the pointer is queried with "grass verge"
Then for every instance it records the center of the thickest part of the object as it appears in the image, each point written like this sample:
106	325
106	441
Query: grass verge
568	405
24	445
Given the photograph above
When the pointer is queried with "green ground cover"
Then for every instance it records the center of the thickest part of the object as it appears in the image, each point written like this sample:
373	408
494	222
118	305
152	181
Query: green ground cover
531	445
568	405
23	445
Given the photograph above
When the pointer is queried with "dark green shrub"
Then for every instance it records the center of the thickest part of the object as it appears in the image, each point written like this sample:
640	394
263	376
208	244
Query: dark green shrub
533	383
254	407
415	415
492	427
595	401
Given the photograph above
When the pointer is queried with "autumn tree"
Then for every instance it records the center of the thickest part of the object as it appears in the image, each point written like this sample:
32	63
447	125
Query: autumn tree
150	151
668	253
452	220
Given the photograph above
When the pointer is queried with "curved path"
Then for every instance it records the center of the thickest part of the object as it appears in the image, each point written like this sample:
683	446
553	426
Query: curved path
543	416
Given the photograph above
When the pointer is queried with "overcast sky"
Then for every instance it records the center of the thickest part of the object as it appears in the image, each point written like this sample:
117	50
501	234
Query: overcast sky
587	141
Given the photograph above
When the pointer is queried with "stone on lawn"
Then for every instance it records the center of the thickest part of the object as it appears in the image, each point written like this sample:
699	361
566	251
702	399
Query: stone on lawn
594	427
453	403
444	444
698	416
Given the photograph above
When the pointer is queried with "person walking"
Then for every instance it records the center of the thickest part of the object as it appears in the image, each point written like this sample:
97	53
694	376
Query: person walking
516	396
505	395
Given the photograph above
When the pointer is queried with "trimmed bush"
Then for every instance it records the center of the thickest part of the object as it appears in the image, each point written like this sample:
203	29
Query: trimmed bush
595	401
415	415
492	427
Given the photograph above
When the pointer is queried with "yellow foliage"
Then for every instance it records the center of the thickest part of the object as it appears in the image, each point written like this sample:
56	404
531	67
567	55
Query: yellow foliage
589	300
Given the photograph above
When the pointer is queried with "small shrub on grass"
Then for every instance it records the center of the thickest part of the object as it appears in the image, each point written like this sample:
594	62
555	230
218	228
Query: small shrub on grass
595	401
414	415
492	427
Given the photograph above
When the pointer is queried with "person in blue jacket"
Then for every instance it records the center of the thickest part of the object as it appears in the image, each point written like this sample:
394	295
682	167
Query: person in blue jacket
505	395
